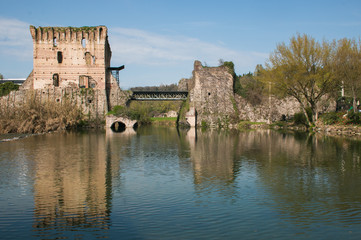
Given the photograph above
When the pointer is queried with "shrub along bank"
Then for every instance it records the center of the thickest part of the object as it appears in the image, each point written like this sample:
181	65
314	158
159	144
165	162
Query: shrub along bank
34	116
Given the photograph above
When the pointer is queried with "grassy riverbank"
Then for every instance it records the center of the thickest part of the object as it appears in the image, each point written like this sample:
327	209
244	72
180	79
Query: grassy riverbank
164	121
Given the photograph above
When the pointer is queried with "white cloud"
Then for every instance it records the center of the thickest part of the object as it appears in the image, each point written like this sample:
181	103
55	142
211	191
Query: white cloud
134	46
15	39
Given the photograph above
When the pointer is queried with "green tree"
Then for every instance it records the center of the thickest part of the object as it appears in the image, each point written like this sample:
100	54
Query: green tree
237	88
1	76
303	70
251	88
348	66
6	88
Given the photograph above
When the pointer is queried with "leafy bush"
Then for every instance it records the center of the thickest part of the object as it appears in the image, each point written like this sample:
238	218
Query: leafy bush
300	118
353	118
331	118
6	88
123	111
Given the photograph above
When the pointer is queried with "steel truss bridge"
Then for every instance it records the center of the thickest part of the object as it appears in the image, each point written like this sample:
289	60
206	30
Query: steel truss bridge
159	95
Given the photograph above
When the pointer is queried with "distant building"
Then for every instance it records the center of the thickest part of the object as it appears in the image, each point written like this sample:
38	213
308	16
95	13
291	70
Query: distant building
70	57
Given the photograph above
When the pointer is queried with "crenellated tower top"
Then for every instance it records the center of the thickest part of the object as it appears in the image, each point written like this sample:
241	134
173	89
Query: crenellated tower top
69	34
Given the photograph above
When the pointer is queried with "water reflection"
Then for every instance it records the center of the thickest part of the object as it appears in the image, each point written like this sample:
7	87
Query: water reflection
306	178
71	183
167	183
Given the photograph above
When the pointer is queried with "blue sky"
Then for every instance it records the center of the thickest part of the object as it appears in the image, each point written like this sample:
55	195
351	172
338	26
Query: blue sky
158	40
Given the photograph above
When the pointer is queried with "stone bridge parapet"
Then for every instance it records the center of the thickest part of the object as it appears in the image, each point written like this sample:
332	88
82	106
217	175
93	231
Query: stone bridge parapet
111	119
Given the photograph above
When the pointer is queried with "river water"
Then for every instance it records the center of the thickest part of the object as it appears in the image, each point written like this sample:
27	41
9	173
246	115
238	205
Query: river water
160	183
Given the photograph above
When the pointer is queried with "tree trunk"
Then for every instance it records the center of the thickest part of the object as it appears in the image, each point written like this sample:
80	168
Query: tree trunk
306	115
354	102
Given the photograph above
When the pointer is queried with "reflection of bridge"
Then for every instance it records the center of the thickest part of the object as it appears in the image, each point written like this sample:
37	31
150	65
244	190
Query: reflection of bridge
159	95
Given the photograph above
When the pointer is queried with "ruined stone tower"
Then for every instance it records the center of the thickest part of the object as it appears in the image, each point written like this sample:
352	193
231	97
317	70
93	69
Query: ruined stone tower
70	57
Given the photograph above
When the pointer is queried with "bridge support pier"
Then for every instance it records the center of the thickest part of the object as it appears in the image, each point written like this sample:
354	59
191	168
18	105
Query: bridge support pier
191	117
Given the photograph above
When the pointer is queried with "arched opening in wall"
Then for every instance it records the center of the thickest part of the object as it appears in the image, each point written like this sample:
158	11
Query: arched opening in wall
56	80
135	126
60	57
83	81
100	33
55	42
83	43
88	58
118	127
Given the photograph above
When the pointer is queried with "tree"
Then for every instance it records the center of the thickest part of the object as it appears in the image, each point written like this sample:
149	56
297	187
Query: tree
1	76
348	66
6	88
302	70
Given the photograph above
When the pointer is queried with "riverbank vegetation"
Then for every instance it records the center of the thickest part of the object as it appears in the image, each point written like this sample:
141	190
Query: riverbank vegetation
313	73
6	88
148	111
35	116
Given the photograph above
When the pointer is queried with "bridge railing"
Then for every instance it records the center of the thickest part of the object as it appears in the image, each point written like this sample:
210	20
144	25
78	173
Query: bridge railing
159	95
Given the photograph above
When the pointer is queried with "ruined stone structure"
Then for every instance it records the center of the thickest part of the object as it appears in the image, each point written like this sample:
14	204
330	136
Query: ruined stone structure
211	95
212	101
70	57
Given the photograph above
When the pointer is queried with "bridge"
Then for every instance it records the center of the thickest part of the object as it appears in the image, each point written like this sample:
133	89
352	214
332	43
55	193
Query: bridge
17	81
159	95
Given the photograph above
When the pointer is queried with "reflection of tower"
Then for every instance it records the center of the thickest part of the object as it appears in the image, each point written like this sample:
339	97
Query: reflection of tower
212	155
73	184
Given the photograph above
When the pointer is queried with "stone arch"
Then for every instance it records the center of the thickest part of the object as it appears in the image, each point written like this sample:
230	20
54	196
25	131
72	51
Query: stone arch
111	120
56	80
118	126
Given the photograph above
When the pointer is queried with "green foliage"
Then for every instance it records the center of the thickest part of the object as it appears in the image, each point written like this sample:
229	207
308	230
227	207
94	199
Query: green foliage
331	118
162	119
251	88
143	111
347	67
300	118
122	111
302	69
184	108
246	125
353	117
6	88
1	76
170	87
204	125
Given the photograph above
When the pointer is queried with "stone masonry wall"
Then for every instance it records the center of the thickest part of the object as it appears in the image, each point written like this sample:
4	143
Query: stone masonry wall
92	102
70	57
211	94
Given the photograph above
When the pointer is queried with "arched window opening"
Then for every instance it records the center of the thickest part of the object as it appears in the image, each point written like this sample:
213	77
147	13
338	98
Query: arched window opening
83	42
60	57
55	42
83	81
56	80
118	127
88	58
100	33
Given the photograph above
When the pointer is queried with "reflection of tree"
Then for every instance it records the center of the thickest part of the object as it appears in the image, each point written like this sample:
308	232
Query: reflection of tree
309	177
